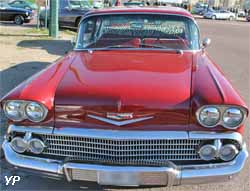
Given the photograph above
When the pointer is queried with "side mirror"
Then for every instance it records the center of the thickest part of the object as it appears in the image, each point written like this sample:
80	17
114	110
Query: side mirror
206	42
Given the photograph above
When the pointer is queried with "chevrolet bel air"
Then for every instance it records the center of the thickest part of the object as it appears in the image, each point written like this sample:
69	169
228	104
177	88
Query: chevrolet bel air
138	102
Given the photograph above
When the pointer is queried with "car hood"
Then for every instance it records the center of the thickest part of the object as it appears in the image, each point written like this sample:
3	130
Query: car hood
153	84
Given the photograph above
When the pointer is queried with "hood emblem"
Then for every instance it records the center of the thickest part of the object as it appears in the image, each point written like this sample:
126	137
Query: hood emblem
119	119
120	116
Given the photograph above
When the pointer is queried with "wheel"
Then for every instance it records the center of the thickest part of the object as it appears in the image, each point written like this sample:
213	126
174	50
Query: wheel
231	18
18	19
213	17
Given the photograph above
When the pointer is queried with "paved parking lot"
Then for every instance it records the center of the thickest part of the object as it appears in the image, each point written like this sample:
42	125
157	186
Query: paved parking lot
24	56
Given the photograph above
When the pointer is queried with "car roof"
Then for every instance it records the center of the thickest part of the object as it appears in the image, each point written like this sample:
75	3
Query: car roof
136	9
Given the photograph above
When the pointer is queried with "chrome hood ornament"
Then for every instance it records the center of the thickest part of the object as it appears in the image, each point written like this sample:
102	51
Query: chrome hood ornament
119	119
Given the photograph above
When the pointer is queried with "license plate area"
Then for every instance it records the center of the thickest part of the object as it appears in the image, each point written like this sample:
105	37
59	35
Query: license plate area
119	178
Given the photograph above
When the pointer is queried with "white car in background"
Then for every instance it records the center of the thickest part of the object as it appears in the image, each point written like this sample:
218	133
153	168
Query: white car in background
221	14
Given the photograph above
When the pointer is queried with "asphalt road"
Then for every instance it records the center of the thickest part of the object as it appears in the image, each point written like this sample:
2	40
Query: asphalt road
230	48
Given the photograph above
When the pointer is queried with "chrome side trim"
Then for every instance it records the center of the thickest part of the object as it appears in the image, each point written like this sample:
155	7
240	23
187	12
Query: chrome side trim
119	123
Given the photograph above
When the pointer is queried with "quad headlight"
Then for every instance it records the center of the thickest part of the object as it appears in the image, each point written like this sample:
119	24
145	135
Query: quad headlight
35	112
209	116
230	117
18	110
233	117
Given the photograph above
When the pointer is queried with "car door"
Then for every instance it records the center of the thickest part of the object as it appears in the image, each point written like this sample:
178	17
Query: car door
5	13
224	15
70	14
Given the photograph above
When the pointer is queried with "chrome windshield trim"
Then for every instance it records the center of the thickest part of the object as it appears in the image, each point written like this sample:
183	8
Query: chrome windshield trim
136	49
125	134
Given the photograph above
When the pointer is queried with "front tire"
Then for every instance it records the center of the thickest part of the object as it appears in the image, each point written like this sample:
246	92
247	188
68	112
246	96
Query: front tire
18	19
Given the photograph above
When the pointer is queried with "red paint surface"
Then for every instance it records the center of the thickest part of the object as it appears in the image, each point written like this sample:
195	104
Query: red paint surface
162	10
170	87
141	81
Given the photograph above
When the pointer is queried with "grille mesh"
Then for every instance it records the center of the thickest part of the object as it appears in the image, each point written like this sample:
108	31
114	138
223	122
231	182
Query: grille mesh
121	151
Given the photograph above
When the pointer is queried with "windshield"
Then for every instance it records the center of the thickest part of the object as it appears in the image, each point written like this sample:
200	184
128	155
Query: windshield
4	5
79	4
138	31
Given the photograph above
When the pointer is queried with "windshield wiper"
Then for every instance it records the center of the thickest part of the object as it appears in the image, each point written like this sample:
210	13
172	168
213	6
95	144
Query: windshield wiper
113	47
178	51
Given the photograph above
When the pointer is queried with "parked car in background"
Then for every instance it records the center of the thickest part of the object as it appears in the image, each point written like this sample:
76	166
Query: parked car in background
23	4
199	7
134	3
70	13
98	4
248	18
138	102
17	15
205	11
241	13
220	14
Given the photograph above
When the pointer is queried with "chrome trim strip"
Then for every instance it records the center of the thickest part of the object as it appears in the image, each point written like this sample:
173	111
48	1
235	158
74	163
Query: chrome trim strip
32	129
119	123
121	135
125	134
188	174
215	135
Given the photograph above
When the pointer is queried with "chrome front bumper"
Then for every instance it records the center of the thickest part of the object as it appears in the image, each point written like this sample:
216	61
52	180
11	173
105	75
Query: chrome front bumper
130	175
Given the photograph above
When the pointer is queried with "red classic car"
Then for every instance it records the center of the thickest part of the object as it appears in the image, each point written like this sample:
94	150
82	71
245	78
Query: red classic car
137	102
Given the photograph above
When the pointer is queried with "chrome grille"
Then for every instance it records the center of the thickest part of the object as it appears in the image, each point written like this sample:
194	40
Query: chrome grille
125	151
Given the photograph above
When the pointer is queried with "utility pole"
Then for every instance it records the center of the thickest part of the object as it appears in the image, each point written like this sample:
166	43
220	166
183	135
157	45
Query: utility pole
54	10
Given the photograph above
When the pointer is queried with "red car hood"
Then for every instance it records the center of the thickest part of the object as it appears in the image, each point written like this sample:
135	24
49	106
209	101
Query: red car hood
155	84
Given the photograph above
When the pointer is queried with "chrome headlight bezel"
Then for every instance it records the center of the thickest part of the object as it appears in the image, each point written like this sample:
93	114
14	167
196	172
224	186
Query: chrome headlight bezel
222	109
23	106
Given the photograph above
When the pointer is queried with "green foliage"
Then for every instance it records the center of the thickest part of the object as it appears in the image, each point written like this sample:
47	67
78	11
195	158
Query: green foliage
32	1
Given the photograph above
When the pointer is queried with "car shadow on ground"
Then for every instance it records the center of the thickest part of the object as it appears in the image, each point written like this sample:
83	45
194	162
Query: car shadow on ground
56	47
16	74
